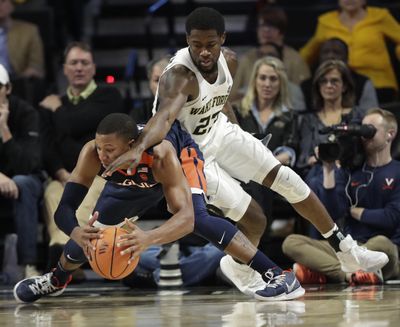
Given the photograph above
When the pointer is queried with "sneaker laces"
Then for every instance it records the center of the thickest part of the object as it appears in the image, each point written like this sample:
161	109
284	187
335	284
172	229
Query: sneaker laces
43	285
275	281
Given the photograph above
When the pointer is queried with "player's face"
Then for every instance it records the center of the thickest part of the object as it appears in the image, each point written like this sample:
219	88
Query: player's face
110	146
79	68
379	141
267	83
205	48
331	86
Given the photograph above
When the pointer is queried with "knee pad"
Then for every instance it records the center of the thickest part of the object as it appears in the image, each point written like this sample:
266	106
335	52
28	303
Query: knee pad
288	184
74	253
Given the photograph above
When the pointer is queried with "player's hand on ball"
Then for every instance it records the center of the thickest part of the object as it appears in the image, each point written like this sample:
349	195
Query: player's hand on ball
83	235
137	240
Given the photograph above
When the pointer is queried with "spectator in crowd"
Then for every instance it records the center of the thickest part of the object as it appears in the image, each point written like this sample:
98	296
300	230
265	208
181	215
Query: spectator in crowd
333	103
142	114
367	198
20	183
364	91
69	121
364	29
21	48
265	109
272	22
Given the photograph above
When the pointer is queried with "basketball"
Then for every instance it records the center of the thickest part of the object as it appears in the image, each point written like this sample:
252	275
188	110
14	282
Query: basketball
106	260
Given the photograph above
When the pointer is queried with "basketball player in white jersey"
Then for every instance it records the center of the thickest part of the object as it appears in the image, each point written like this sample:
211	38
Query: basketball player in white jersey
194	89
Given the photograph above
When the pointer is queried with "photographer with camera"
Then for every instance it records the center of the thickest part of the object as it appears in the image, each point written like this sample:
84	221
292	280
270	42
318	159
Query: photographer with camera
367	201
333	103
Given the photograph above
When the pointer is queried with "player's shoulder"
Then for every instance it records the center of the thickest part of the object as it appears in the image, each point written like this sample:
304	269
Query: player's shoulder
89	150
229	54
231	59
178	70
163	150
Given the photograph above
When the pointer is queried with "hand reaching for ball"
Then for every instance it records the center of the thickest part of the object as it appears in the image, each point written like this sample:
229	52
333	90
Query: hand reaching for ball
137	240
83	235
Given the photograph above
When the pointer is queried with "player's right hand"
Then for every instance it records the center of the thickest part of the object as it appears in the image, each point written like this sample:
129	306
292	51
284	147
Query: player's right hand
83	235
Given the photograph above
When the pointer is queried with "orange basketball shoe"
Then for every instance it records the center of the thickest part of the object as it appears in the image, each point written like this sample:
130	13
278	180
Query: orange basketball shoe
366	278
307	276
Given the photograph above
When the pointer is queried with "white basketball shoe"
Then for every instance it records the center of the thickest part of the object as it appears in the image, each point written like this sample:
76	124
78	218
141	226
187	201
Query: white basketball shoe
246	279
353	257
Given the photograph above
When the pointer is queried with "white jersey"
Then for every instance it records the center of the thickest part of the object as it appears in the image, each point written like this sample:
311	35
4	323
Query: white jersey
199	116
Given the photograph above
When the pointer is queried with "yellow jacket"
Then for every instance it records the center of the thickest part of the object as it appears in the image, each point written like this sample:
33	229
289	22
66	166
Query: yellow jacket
368	54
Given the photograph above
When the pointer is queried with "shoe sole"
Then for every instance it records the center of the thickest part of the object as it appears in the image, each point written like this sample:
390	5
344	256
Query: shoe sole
299	292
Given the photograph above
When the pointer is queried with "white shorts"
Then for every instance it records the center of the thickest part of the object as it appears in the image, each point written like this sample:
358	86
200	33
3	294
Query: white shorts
234	155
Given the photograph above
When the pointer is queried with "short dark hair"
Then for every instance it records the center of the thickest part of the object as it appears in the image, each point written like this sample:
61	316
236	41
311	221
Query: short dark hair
205	18
120	124
273	16
77	44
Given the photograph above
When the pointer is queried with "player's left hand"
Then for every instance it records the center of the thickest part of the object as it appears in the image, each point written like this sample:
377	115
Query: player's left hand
137	240
129	160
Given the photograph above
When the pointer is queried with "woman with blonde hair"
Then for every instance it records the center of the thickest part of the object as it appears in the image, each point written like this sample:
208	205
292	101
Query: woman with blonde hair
265	108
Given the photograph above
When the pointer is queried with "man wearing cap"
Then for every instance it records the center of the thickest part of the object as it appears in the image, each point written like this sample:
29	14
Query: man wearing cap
20	184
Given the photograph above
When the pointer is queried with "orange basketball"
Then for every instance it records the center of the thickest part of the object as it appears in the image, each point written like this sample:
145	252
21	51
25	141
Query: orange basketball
106	260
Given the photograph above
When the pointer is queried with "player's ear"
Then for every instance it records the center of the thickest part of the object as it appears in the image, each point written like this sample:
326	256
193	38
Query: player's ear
131	142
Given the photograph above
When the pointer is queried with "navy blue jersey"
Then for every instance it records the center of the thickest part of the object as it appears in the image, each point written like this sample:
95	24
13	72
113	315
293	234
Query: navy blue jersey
129	195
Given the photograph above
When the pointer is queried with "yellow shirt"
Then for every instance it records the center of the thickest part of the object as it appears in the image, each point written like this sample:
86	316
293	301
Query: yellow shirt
368	54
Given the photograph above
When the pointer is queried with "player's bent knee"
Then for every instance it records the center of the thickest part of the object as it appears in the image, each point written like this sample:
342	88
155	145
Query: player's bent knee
290	185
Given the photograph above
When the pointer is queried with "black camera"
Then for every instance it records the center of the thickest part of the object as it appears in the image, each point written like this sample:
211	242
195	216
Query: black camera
344	144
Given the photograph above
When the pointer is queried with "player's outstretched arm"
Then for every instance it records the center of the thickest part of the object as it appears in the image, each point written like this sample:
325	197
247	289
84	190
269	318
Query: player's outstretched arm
168	171
75	190
175	86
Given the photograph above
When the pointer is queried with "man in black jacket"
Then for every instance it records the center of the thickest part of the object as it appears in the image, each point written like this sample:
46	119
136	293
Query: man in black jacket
20	185
69	121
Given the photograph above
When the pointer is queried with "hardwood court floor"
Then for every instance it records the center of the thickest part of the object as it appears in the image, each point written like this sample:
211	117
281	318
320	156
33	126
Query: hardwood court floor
109	304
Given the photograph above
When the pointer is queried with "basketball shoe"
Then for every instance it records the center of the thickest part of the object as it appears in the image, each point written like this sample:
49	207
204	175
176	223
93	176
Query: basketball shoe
366	278
353	257
246	279
280	288
32	289
307	276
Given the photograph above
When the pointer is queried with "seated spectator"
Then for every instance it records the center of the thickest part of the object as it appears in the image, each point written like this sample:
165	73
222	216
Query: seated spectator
364	29
368	201
296	97
333	103
69	121
22	54
20	183
265	109
272	22
364	90
141	114
20	43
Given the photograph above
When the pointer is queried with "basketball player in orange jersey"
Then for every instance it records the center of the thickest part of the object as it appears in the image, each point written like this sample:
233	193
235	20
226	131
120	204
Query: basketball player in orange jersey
174	169
194	89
